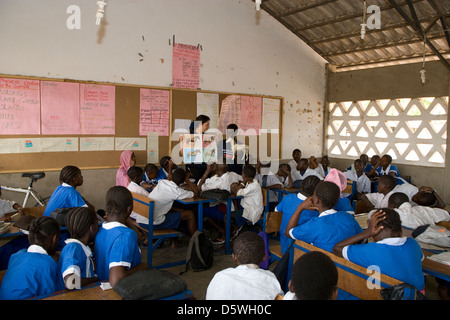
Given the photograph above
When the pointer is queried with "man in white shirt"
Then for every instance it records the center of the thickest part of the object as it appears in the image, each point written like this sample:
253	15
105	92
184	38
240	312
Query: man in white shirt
302	171
296	156
415	216
247	281
357	174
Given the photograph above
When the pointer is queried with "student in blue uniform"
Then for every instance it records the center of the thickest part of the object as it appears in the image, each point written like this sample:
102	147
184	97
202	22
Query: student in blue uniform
396	256
33	272
290	203
75	261
117	253
330	227
66	195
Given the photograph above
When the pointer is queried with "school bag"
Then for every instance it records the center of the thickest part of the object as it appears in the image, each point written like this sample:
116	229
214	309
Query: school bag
200	253
217	194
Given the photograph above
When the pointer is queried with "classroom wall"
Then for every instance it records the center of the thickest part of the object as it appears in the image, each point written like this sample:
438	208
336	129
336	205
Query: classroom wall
402	81
243	51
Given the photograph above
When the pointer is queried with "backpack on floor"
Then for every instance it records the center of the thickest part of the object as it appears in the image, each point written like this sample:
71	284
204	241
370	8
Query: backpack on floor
200	253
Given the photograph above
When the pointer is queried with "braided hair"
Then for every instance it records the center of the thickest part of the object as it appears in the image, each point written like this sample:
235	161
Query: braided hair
118	199
78	221
309	185
68	173
392	221
42	230
328	192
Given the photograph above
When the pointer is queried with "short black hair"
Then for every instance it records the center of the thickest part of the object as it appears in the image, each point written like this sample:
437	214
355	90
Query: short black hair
328	192
232	126
249	171
118	199
135	172
388	157
284	165
391	221
78	221
314	276
164	161
388	180
426	199
41	231
178	176
296	150
249	248
150	167
68	173
397	199
308	185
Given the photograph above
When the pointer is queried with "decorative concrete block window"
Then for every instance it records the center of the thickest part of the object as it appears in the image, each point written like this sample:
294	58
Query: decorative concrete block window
412	131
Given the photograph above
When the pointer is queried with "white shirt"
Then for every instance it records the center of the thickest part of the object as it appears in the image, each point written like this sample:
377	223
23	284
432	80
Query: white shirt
245	282
252	201
134	187
321	171
380	200
362	183
293	165
296	175
223	182
415	216
164	194
272	179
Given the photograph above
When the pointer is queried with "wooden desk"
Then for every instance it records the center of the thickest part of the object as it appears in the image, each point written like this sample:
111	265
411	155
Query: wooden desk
92	293
199	201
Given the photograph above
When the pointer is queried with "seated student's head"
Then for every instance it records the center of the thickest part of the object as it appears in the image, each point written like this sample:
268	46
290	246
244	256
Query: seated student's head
135	174
392	225
221	168
164	162
374	160
397	199
283	169
303	164
71	175
296	155
249	171
119	203
231	130
151	171
364	158
44	232
386	184
385	161
426	199
82	223
359	166
326	195
325	161
179	176
248	248
314	277
309	185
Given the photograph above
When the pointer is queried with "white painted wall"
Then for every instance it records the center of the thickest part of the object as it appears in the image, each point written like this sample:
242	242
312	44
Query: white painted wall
244	51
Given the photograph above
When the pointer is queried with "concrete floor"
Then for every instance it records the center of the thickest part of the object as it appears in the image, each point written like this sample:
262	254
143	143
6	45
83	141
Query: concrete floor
198	282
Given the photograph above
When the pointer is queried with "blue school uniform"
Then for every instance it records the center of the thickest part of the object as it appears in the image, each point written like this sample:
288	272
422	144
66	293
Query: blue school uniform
115	245
76	258
389	169
344	204
161	174
329	228
399	258
31	273
64	196
288	206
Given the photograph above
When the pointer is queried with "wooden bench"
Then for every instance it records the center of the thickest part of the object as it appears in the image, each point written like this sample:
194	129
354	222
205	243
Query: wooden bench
353	278
145	207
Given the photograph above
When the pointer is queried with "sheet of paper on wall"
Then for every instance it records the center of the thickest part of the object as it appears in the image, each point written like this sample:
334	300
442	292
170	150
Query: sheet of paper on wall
208	104
138	144
185	66
154	111
152	147
20	106
271	113
96	143
251	113
97	109
229	112
182	125
60	107
63	144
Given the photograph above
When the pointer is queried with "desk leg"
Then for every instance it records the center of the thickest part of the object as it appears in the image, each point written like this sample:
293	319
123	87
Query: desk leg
200	216
228	227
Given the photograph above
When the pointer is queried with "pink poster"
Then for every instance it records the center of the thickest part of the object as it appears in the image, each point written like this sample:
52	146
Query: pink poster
230	112
97	109
60	104
251	113
154	115
19	106
185	66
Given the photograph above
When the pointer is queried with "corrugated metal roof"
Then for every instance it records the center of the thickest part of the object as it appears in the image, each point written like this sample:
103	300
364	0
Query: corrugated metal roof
333	29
